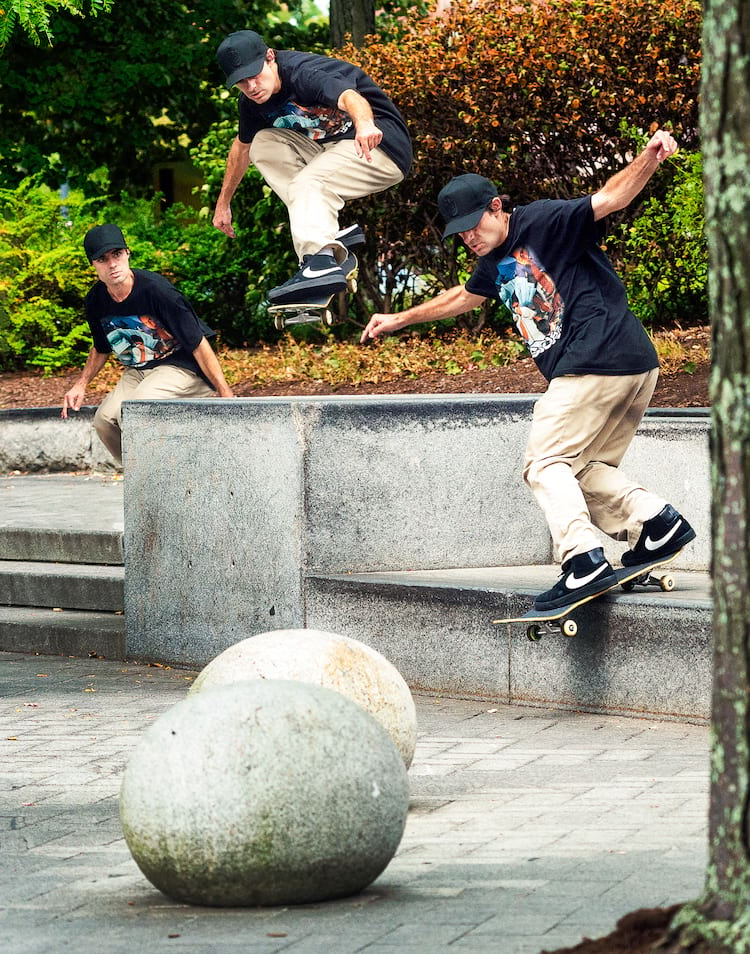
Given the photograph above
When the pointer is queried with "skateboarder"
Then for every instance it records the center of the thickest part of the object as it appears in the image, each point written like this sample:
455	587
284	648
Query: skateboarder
152	330
321	133
544	261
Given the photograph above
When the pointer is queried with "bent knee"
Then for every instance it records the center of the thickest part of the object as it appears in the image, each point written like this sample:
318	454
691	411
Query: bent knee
545	471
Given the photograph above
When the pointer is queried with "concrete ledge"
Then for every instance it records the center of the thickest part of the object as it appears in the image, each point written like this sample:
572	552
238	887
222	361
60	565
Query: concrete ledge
638	653
275	491
38	440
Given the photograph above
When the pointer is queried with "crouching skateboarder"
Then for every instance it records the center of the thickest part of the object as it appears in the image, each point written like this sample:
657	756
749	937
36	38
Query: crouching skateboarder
545	263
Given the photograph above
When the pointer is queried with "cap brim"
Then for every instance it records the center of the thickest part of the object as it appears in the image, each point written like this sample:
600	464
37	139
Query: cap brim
463	223
244	72
109	247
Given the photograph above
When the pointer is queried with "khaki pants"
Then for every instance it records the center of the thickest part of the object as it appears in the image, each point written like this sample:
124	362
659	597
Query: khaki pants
162	383
314	180
581	429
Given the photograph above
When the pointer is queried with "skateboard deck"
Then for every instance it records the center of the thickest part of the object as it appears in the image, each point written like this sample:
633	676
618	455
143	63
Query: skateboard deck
543	622
318	307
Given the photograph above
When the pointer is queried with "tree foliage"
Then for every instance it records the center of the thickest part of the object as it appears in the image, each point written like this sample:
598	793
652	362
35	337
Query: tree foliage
546	100
533	96
121	92
32	17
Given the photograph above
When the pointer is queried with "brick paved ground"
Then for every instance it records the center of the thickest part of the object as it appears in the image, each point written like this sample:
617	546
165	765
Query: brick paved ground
529	828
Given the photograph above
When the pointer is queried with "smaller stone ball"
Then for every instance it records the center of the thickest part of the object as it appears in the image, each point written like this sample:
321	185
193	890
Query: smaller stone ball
325	659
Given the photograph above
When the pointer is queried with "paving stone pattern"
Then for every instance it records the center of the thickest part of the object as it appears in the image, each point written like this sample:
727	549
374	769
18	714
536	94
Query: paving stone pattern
528	830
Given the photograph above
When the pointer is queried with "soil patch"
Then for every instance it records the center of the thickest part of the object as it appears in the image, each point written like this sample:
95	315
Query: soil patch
680	389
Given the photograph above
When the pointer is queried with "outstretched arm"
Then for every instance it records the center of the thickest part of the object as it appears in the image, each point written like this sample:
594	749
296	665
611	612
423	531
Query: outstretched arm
453	302
238	161
625	185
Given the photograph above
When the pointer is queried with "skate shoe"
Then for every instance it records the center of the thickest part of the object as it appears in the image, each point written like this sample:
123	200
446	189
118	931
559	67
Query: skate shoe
318	275
351	237
585	574
661	536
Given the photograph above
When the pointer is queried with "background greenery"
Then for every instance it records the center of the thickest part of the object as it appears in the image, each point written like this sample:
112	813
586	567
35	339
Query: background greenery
547	99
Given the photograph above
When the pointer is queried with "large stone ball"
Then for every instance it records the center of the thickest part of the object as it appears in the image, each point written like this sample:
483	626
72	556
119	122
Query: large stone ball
262	793
325	659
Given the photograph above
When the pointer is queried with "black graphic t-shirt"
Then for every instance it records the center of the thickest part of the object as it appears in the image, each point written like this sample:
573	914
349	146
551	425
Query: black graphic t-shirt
154	325
563	293
307	103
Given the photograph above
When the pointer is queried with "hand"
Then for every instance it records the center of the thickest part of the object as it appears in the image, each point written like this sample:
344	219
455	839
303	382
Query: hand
73	399
662	145
367	137
223	220
380	325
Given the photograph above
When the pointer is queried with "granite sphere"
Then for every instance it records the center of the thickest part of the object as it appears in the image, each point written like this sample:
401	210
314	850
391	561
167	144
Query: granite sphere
325	659
264	793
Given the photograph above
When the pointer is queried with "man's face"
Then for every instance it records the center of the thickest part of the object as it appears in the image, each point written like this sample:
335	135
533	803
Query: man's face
113	267
261	87
489	232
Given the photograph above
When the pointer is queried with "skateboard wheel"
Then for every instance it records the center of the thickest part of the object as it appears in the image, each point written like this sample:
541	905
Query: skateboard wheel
667	583
352	285
278	322
569	627
533	633
327	317
628	586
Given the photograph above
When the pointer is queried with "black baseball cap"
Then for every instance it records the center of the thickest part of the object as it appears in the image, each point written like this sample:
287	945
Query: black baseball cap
101	239
463	202
240	55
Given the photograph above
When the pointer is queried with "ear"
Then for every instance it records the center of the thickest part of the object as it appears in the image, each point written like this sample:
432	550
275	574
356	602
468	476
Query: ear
270	56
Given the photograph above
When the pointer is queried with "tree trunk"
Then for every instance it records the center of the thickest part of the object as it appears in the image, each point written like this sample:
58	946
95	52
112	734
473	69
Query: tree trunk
722	916
356	17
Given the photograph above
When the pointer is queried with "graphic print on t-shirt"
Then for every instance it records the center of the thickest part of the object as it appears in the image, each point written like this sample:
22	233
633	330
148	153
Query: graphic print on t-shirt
317	122
530	294
137	340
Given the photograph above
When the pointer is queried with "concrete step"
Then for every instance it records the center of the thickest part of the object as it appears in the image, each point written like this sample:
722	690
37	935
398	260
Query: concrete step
60	545
67	585
640	653
62	518
67	632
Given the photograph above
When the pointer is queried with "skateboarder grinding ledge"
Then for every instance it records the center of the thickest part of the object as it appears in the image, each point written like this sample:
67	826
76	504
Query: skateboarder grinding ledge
321	133
544	262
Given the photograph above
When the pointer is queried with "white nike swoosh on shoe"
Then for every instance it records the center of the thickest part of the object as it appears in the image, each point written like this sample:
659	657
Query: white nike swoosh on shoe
650	544
574	582
308	272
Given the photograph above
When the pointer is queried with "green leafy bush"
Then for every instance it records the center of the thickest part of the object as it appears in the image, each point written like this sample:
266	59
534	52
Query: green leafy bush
42	282
44	273
665	258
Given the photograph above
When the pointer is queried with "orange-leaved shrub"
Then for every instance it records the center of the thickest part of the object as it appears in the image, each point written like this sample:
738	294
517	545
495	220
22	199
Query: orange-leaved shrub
547	98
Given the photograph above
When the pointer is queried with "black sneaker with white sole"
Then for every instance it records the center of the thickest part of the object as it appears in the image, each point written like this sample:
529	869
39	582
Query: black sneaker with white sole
585	574
351	237
661	537
318	275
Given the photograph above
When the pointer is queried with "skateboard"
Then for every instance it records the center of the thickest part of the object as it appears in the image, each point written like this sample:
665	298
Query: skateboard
545	622
318	307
